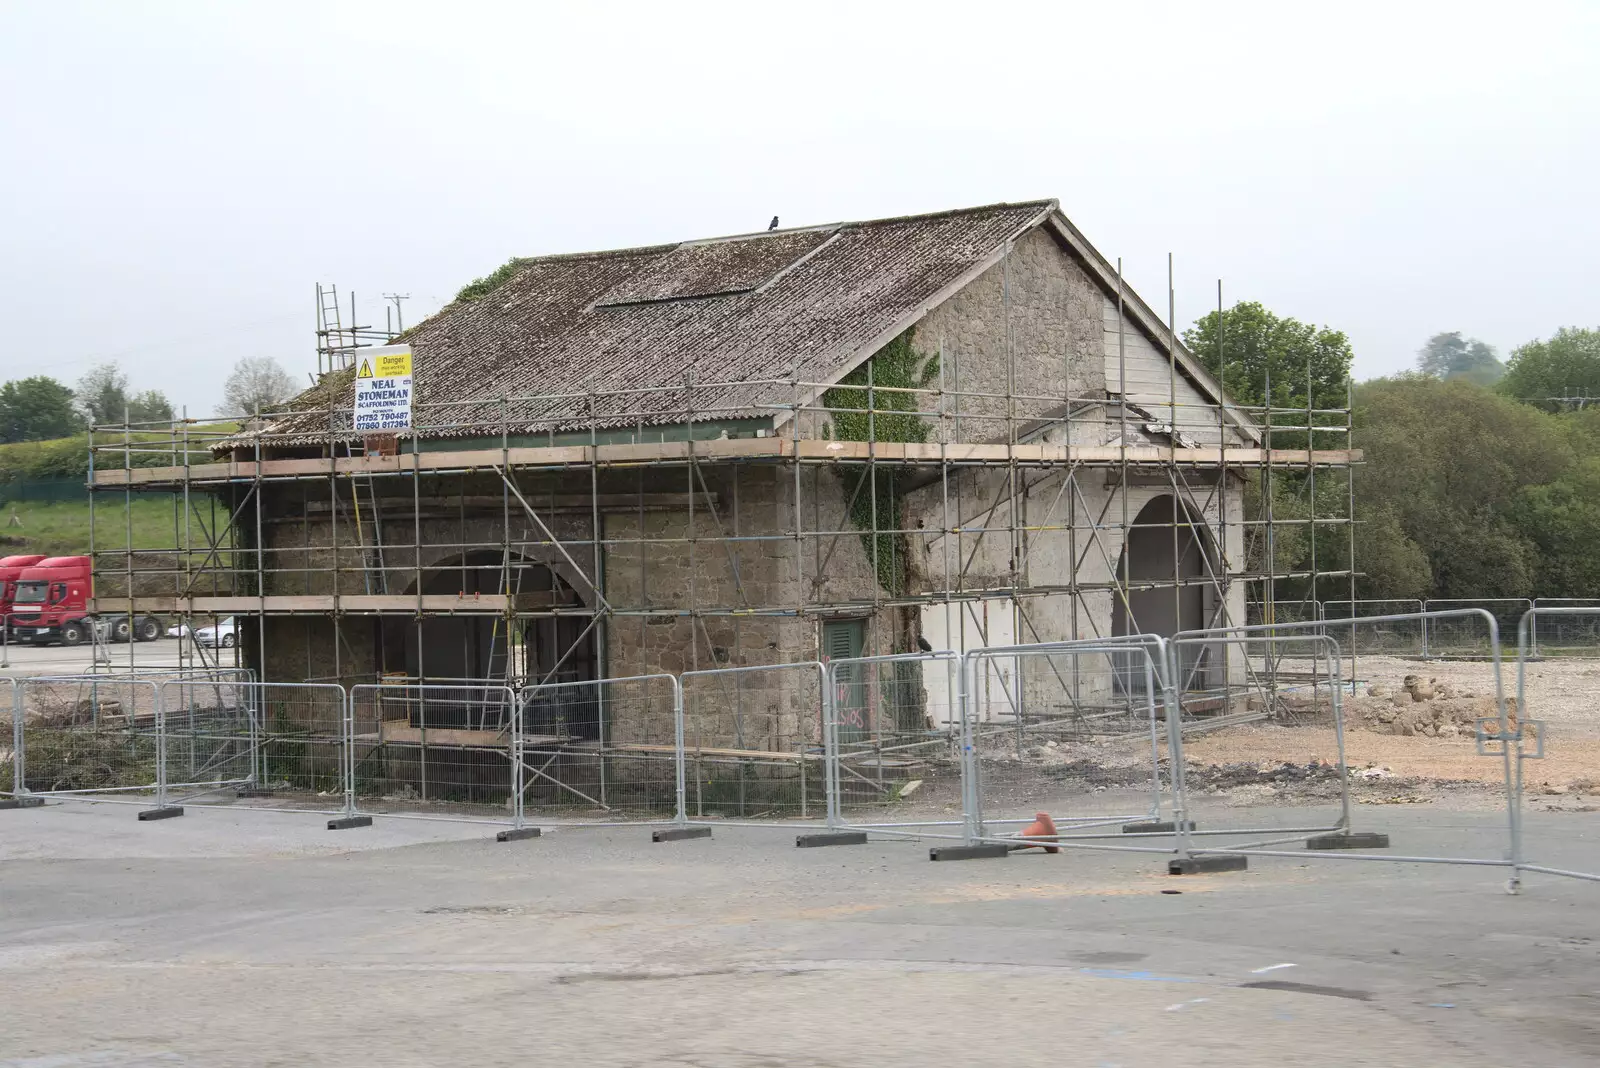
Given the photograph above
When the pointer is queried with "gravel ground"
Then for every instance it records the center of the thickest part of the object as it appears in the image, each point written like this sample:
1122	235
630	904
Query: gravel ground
1570	769
1558	691
1563	694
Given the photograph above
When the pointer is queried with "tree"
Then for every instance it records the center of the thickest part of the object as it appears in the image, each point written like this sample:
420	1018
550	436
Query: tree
1562	519
37	409
103	394
1566	366
1265	360
1447	464
151	406
1449	355
1391	563
1255	345
257	384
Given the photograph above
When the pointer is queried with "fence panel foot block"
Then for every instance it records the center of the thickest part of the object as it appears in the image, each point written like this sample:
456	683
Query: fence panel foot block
166	813
517	834
21	802
1206	865
831	838
1349	840
344	823
1154	827
678	834
972	852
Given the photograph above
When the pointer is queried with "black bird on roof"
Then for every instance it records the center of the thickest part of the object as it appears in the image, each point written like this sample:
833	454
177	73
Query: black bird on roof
773	225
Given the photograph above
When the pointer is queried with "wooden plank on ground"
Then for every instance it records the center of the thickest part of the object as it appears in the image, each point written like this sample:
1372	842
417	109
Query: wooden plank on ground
401	732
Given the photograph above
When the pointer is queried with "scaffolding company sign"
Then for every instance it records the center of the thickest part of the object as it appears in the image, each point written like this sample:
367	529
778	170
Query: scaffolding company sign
383	389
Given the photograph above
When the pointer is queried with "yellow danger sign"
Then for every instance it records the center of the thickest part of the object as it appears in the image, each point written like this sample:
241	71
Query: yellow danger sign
393	365
383	389
392	362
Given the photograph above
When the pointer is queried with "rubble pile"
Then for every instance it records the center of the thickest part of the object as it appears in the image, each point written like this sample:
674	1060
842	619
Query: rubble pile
1424	707
1217	777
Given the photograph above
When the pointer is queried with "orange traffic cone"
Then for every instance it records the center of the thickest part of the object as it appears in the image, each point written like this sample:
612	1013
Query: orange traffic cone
1042	827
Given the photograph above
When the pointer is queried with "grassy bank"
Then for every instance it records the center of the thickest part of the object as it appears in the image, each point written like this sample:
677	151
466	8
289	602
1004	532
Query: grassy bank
61	528
69	457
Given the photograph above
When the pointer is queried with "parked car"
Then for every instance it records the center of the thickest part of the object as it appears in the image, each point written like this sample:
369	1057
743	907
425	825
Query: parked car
221	635
178	630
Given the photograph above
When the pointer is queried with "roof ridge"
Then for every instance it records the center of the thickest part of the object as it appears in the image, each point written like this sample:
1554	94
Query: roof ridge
845	224
1050	203
598	254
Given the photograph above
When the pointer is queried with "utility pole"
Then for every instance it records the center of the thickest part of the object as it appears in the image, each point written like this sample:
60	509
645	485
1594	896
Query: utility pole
399	321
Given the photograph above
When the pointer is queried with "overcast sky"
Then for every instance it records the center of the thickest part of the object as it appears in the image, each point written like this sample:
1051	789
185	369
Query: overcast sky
176	177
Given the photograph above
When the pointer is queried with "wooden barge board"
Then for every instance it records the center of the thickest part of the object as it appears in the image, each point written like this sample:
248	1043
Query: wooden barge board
748	449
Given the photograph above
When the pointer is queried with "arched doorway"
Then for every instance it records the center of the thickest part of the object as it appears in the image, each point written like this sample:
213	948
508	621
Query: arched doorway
1172	574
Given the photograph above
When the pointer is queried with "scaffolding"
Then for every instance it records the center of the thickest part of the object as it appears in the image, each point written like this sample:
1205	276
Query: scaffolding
549	544
338	339
519	512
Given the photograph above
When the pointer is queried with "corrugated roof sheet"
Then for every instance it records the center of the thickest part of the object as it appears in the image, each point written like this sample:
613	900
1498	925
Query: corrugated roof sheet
751	310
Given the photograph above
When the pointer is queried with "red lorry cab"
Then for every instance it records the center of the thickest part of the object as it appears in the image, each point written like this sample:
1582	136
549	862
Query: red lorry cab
51	602
10	570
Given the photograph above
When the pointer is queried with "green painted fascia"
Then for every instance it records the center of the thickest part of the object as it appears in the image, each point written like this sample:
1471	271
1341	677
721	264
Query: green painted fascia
709	430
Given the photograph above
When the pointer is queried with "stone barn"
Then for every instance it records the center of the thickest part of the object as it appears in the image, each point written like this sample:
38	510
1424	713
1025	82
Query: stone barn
937	431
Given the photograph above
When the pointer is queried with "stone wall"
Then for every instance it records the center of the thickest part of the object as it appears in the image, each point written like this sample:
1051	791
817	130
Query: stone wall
1052	312
661	568
308	551
310	648
1059	533
1039	305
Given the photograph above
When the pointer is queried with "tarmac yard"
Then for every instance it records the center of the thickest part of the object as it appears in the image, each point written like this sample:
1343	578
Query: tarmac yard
240	937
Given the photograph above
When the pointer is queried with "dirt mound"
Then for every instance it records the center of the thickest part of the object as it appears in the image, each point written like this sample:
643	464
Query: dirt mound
1423	706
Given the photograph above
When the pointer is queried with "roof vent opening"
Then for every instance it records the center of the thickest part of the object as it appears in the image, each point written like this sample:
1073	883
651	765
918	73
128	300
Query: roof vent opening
715	268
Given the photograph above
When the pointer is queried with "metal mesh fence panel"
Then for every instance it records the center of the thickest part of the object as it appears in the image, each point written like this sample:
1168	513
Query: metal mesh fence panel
753	738
1365	635
88	735
210	733
1272	673
1300	669
1563	633
440	750
11	770
893	751
1287	611
1072	731
1318	823
286	738
603	747
1248	680
1535	730
1465	636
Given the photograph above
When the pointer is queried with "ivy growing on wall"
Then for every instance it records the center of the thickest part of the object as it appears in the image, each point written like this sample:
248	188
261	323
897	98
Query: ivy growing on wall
878	414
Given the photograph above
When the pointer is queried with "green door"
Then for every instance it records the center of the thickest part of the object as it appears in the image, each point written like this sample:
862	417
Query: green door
843	639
